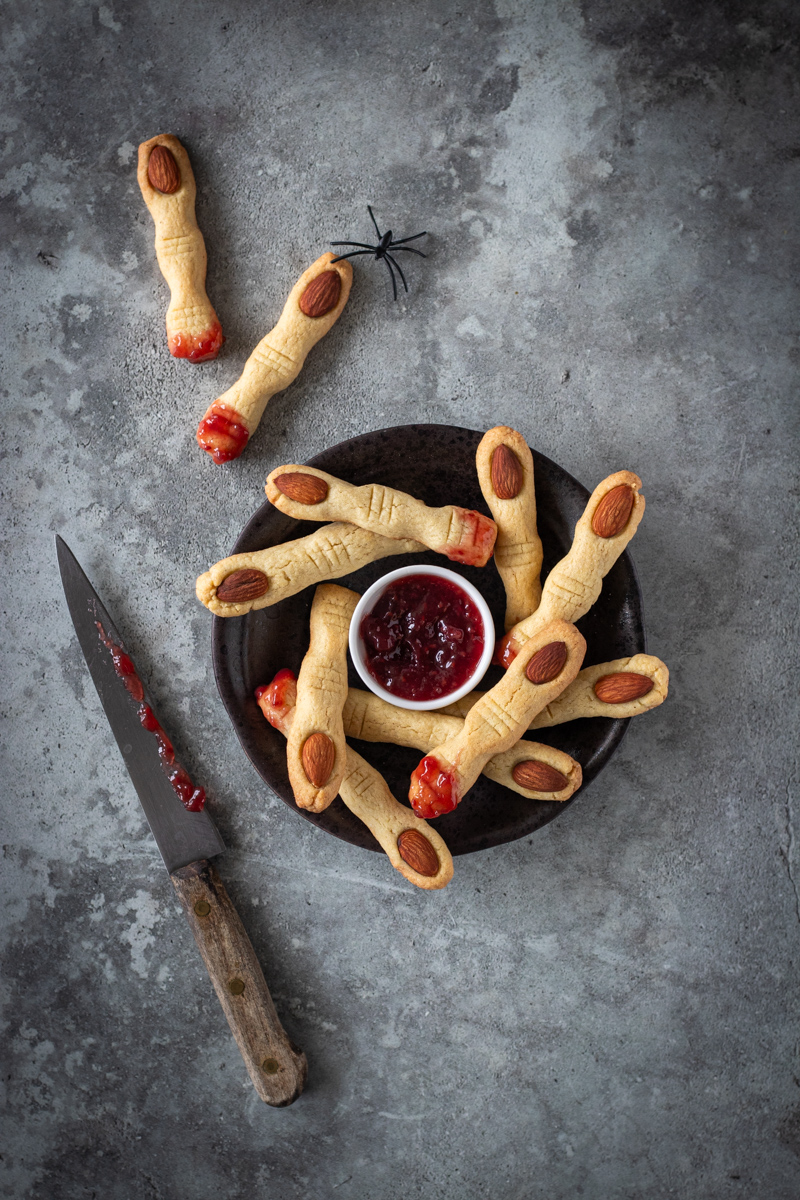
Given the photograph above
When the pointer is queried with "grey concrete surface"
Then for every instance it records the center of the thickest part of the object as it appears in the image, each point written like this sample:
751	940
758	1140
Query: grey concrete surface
610	1008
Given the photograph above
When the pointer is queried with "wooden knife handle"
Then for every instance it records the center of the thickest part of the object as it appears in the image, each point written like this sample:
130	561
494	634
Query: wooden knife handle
277	1068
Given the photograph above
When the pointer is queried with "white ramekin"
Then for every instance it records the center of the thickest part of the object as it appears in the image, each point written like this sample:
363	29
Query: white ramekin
357	645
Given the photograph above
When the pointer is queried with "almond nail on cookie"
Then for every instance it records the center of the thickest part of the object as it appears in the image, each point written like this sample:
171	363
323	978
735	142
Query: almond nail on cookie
625	687
168	187
314	305
245	582
315	748
607	524
547	664
412	847
505	473
312	495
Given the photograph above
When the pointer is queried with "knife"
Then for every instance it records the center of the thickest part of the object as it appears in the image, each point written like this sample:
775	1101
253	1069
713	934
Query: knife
187	839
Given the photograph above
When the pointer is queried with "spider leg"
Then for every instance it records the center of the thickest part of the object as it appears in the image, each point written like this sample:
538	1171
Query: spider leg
352	254
391	272
397	264
374	222
364	244
413	238
410	250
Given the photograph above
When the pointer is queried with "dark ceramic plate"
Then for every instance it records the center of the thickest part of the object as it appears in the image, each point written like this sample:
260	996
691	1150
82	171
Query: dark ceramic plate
437	464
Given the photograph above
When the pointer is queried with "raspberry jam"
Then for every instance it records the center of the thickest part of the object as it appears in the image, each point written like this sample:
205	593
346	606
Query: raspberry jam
198	348
222	434
423	638
191	797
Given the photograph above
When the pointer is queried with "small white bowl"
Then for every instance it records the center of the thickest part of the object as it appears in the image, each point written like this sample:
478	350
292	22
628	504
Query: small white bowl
357	644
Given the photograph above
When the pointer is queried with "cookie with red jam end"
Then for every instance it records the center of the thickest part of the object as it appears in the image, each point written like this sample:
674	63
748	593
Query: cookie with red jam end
168	187
544	667
313	495
313	307
477	538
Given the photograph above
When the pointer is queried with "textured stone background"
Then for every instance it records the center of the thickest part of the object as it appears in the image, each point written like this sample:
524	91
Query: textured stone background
610	1008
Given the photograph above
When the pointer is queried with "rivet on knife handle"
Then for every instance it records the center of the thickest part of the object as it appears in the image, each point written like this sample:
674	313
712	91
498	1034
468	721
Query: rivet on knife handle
276	1067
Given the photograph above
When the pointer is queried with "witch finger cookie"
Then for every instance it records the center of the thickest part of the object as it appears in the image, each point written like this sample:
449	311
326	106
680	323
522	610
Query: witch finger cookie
309	494
314	305
168	187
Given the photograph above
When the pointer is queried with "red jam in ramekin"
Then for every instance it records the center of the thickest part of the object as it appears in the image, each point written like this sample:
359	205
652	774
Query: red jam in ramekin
423	638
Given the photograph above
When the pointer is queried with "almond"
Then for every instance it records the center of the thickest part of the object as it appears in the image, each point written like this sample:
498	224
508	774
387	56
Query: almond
305	489
322	294
162	170
506	473
415	849
318	755
547	662
538	776
612	513
247	584
622	686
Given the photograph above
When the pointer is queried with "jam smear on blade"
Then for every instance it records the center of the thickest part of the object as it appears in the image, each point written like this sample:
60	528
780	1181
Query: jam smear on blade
423	638
202	347
222	434
433	791
191	797
123	666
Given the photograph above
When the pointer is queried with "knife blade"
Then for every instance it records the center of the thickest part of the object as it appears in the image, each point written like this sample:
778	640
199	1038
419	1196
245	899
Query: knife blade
187	840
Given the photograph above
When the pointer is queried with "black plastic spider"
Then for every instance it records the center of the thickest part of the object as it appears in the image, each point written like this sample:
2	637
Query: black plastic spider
385	244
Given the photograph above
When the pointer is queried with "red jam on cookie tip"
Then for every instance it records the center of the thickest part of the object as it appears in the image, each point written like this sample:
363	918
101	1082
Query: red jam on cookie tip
477	540
505	651
277	699
198	348
222	434
433	789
